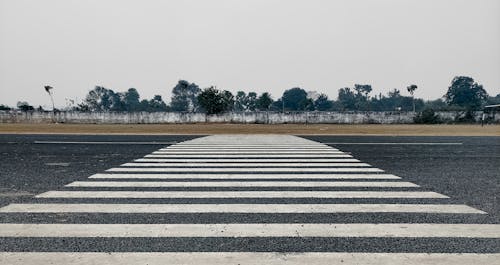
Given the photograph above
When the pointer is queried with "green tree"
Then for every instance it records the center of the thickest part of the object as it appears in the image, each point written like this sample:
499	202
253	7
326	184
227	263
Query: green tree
437	104
240	101
157	104
494	100
394	101
296	99
184	96
214	101
264	101
362	92
245	102
25	106
347	99
131	100
251	101
102	99
322	103
411	89
466	93
4	107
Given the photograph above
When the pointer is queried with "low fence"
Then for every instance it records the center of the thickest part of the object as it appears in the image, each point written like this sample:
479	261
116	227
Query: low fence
230	117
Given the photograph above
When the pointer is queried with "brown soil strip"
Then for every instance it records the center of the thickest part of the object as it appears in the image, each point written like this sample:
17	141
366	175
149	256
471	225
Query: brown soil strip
224	128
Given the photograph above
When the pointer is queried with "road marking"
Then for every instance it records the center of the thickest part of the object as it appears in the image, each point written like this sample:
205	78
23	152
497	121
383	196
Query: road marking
241	194
395	143
250	160
325	170
58	164
264	152
15	194
243	176
252	230
98	142
249	155
278	148
250	164
395	184
238	208
245	258
316	145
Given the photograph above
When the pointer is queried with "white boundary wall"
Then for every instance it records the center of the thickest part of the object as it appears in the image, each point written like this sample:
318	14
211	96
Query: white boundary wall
230	117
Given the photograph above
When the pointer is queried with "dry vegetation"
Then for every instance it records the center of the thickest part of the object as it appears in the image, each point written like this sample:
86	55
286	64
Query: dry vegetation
223	128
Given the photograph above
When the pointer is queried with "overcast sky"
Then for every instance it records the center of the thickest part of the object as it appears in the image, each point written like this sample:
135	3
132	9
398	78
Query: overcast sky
250	45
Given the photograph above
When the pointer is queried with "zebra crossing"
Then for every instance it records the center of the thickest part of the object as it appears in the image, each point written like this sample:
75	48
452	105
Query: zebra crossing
244	199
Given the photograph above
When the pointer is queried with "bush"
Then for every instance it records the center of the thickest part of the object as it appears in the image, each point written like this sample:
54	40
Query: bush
427	116
4	107
467	117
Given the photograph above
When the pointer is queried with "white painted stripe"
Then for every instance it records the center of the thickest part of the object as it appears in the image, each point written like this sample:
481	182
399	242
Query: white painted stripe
248	148
246	152
395	143
249	155
238	208
244	258
235	143
273	150
241	194
177	147
243	176
395	184
252	230
248	160
325	170
258	164
108	142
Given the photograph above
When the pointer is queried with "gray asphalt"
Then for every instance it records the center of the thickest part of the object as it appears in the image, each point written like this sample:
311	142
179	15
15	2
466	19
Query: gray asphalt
467	172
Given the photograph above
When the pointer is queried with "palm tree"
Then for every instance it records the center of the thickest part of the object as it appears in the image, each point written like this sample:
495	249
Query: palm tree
411	89
48	89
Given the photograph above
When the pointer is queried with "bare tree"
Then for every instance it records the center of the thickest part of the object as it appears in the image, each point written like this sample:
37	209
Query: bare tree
411	89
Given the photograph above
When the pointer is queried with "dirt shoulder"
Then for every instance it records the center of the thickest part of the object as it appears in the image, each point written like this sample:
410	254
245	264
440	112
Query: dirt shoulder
223	128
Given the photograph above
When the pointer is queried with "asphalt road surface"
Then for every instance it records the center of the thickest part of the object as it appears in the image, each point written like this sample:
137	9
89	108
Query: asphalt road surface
92	199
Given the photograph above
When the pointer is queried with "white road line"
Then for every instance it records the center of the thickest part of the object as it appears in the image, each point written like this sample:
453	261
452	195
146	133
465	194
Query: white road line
252	230
250	155
250	164
395	143
318	148
238	208
249	160
203	152
394	184
291	145
125	143
244	258
243	176
326	170
241	194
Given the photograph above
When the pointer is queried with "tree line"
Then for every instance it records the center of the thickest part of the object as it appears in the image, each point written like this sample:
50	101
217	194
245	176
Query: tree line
462	94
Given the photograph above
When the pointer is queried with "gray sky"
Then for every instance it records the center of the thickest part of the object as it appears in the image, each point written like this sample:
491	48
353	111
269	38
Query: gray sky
259	45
